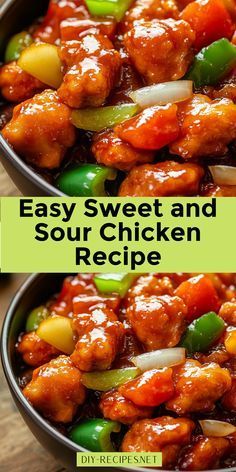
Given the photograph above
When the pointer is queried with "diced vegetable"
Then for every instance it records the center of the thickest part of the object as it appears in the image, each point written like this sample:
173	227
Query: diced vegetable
87	180
96	119
231	7
35	317
95	434
230	342
217	428
114	283
223	175
203	332
212	63
160	358
199	295
150	389
151	129
115	8
16	44
57	331
106	380
210	21
41	60
161	94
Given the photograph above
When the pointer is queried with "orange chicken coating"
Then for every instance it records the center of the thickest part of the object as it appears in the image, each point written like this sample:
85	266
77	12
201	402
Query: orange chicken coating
204	453
150	10
72	27
92	66
40	130
207	126
229	399
198	387
162	179
228	312
79	294
34	350
76	286
217	354
160	50
16	85
110	150
148	285
158	322
116	407
100	339
49	30
212	190
164	434
56	390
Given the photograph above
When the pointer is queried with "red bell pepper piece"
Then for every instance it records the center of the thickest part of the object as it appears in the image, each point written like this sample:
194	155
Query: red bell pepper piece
153	128
200	296
150	389
209	20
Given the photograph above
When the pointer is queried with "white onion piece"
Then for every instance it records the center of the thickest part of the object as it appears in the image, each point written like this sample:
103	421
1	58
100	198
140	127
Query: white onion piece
223	175
217	428
161	94
160	358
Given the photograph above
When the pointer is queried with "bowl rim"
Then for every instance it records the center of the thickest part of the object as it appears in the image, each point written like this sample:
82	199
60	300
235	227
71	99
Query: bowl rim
9	153
12	382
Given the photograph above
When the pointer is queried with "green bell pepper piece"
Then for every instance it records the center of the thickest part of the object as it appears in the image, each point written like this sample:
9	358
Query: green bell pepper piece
95	434
203	332
96	119
114	283
16	44
86	180
35	317
114	8
106	380
212	63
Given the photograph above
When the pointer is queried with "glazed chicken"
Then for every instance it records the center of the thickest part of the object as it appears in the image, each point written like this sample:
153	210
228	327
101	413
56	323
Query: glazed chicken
151	357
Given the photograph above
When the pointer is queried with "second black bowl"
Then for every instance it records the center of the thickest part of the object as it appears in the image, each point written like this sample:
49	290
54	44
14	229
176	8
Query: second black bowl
36	290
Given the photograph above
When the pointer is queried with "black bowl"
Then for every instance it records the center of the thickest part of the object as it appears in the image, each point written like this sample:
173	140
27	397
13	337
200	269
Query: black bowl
15	15
37	289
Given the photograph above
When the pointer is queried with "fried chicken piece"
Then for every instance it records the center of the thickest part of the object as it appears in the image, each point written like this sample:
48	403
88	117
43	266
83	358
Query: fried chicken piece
92	66
158	322
165	434
228	312
160	50
34	350
149	10
114	406
100	337
198	387
110	150
16	85
56	390
72	27
206	127
40	130
204	453
49	30
147	286
212	190
162	179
